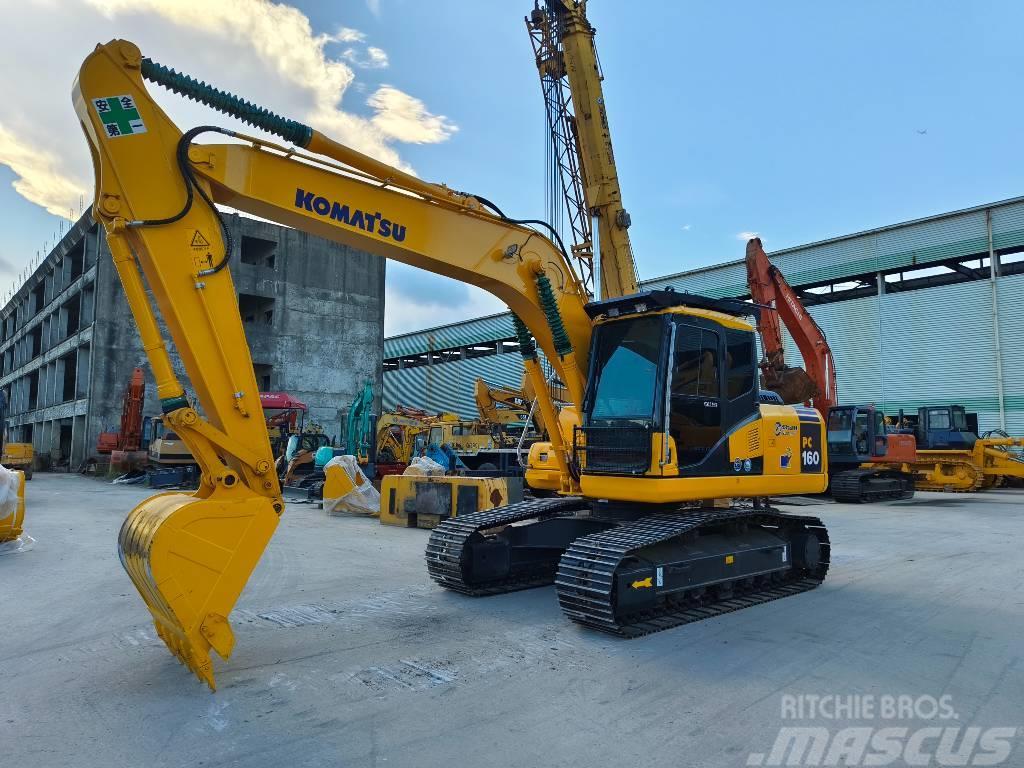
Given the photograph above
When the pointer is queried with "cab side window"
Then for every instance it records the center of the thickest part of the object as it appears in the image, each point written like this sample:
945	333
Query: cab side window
695	370
739	361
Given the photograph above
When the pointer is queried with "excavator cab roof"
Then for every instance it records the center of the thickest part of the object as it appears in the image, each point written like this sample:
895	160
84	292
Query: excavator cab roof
660	300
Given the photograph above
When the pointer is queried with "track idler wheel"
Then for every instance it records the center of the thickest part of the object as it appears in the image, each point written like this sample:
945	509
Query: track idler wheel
190	558
806	550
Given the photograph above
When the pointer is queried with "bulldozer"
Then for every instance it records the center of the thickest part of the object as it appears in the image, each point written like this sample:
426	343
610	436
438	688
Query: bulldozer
633	539
951	457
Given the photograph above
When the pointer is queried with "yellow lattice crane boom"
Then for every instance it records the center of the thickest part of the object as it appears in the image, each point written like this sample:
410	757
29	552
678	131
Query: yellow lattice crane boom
570	73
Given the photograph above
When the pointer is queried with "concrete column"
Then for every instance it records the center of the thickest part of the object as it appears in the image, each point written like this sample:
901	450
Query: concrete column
79	450
82	372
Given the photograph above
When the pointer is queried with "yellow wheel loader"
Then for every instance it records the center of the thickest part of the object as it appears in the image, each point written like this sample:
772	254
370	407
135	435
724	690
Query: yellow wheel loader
665	383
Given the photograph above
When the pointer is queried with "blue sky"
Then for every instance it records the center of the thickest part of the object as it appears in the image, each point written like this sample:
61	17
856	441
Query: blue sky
798	121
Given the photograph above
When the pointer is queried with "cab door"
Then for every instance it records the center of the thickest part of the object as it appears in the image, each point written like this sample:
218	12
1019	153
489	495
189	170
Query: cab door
695	401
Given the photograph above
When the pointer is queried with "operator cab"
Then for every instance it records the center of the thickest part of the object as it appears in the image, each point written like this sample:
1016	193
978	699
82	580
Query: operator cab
856	434
668	365
944	428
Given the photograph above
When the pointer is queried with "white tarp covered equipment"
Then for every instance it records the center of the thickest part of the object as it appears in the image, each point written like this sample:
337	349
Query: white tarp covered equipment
348	490
422	465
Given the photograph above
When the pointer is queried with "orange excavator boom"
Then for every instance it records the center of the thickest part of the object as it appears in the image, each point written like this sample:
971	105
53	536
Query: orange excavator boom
817	384
130	436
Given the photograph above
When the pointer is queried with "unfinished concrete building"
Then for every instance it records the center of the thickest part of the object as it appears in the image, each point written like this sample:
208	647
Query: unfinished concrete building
313	313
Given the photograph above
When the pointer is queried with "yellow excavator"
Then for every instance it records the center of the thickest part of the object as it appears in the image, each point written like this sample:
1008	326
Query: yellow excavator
632	540
503	406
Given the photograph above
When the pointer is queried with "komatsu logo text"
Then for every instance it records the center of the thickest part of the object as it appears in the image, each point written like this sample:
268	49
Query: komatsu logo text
368	222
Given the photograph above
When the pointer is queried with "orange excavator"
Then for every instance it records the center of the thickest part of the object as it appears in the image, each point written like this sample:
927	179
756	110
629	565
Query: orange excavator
129	437
865	461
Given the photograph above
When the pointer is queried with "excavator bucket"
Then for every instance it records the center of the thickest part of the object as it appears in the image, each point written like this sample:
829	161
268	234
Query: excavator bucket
190	558
793	385
12	513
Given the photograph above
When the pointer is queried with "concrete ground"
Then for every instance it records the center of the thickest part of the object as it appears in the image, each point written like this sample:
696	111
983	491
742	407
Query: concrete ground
347	655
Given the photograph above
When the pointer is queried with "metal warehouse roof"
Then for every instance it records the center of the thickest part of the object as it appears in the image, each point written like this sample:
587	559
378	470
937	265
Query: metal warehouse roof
477	331
907	245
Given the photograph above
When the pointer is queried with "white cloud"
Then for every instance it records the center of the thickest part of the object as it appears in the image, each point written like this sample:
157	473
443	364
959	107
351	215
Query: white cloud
372	58
39	178
687	227
745	236
374	6
414	299
405	118
264	51
347	35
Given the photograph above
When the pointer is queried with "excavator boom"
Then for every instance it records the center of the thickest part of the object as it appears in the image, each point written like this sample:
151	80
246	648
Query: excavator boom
190	554
794	385
130	436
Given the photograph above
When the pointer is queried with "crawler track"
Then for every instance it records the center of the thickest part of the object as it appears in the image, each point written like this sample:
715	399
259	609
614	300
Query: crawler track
586	579
856	486
448	561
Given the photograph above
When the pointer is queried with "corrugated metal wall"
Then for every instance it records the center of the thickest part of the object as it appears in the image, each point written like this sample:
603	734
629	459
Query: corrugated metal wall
932	346
449	386
935	345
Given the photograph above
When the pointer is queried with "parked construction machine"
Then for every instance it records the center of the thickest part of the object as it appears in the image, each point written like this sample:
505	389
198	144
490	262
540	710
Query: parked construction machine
401	435
505	407
285	416
664	382
129	437
360	425
951	457
20	456
866	462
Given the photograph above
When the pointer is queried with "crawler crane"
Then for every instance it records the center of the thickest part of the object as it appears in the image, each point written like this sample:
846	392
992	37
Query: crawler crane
665	383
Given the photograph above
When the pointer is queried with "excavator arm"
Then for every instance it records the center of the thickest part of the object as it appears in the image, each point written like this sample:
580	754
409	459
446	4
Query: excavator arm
780	303
500	405
190	554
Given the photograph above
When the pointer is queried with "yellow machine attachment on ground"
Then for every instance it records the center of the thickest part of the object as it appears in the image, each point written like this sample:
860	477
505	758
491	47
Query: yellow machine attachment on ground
18	456
654	441
12	523
423	501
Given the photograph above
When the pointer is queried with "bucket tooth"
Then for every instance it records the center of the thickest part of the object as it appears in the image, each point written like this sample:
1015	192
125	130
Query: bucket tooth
189	558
